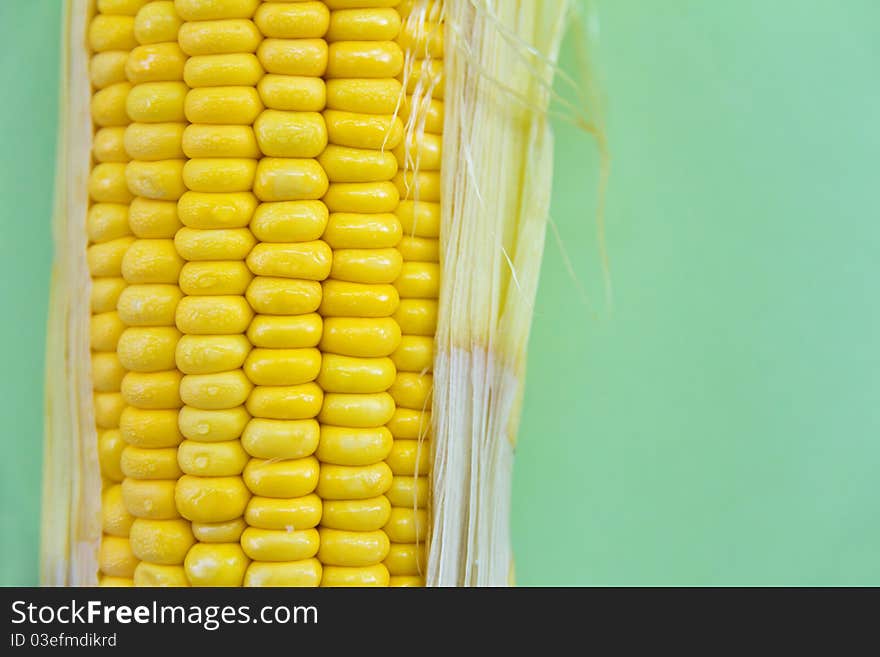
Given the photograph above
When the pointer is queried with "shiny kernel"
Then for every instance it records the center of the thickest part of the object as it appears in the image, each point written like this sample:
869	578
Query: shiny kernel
105	293
415	354
154	141
293	93
408	581
227	70
419	280
157	22
209	10
369	198
300	260
209	354
363	95
214	392
218	315
282	479
120	7
211	499
408	492
426	76
108	409
152	390
428	112
289	179
410	424
148	349
163	542
418	185
357	165
405	559
372	24
374	131
207	141
275	545
205	210
216	564
417	316
421	249
300	57
212	426
280	439
300	20
110	446
150	219
289	221
424	152
107	372
357	375
412	390
220	459
367	266
156	62
355	576
364	59
111	33
214	244
214	278
307	572
291	332
105	330
356	515
219	37
285	402
409	457
109	145
353	446
353	410
106	68
107	221
288	514
352	548
157	576
291	134
157	102
107	183
149	498
115	557
407	525
223	105
424	39
362	231
420	219
282	296
142	463
151	262
342	482
115	518
362	337
282	367
151	429
226	175
160	181
344	299
219	532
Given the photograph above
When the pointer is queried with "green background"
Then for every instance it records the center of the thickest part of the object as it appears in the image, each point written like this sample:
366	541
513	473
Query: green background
718	421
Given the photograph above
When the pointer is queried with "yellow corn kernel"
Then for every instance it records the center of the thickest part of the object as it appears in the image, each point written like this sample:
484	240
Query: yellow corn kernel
156	62
284	479
428	112
343	482
205	210
285	402
212	426
418	185
289	221
207	141
405	559
150	429
300	20
293	93
344	299
107	221
151	219
148	349
108	409
140	463
156	576
412	390
152	390
423	39
220	459
299	57
407	525
362	231
160	181
364	59
106	68
162	542
107	183
419	219
417	316
368	266
366	515
419	280
289	179
115	582
427	74
157	22
291	134
291	332
199	10
219	37
359	4
115	519
359	336
290	514
216	564
157	102
373	24
355	576
353	410
149	499
358	375
307	572
107	372
149	305
214	278
154	141
364	95
209	354
110	446
353	446
225	175
218	315
372	131
410	424
227	70
109	145
225	244
120	7
415	354
105	294
369	198
282	367
354	165
111	33
419	249
283	296
280	439
223	105
352	548
409	457
115	557
219	532
215	392
426	152
151	262
300	260
408	492
399	581
275	545
211	499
